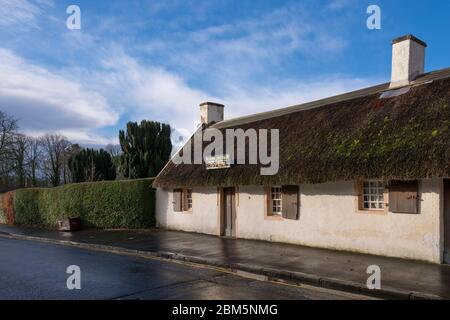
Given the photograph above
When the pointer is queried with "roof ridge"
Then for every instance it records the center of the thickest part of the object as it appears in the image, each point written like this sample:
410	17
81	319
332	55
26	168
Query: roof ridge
422	79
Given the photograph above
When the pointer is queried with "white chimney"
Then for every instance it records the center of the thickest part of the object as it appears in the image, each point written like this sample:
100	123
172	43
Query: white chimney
211	112
408	60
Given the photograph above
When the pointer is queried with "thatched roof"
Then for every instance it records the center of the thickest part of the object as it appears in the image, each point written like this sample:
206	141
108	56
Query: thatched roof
374	133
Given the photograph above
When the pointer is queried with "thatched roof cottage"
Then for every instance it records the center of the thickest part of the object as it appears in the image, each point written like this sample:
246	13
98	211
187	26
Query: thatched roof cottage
365	171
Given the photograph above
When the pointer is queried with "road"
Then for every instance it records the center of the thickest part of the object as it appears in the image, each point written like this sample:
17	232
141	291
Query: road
35	270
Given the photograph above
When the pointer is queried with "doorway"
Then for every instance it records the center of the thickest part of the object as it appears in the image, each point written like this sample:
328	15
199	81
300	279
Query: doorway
447	221
229	212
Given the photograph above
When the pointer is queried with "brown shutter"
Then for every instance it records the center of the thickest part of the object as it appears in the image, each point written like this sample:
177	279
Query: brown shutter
177	200
290	202
359	192
184	201
268	204
403	196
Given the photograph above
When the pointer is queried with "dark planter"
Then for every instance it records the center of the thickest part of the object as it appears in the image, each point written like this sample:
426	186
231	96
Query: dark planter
72	224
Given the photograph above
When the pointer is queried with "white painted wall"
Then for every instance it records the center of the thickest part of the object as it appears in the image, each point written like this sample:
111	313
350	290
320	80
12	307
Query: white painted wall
328	219
202	218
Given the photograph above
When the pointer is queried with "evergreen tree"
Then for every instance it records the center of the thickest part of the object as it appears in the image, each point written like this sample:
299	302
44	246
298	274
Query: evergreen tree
91	165
146	149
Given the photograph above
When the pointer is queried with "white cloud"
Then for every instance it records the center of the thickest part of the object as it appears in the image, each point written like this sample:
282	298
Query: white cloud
21	12
43	100
84	138
339	4
142	91
288	93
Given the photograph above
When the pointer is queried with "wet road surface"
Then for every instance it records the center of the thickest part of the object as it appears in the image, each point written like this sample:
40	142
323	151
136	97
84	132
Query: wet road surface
35	270
398	274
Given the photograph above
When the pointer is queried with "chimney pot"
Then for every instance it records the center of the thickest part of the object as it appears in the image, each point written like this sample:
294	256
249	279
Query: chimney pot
211	112
408	60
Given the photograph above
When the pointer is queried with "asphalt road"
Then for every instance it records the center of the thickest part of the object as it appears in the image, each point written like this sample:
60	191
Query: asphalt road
35	270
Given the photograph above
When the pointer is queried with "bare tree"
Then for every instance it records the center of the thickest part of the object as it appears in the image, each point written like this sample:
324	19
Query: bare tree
33	159
71	150
18	151
114	150
55	148
8	127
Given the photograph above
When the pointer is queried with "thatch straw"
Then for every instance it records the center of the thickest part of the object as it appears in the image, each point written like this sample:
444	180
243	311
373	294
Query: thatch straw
403	137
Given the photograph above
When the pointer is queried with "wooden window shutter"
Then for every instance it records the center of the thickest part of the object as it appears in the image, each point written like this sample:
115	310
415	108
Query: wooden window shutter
290	202
177	200
267	205
184	200
359	192
404	196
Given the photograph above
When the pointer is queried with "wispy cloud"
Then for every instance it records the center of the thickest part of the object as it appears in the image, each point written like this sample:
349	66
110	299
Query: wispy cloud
339	4
250	48
22	13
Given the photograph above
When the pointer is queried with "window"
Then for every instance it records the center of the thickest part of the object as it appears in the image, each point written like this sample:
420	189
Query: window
275	200
188	199
182	200
373	195
282	202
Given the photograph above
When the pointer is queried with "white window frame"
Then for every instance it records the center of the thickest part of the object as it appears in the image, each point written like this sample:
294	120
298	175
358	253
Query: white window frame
373	195
276	202
189	200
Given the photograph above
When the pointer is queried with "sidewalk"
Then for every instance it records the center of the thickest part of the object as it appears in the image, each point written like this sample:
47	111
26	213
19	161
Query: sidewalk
402	279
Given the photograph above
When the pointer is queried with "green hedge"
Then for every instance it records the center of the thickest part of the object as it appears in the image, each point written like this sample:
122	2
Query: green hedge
106	204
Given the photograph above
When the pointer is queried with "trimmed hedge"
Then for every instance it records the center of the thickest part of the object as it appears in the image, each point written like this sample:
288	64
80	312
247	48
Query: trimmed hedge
106	204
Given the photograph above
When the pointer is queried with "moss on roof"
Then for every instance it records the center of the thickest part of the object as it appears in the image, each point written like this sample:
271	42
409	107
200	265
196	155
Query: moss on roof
402	137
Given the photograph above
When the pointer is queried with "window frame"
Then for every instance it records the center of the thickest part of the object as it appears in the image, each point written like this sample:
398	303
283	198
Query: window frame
268	215
359	186
272	199
186	201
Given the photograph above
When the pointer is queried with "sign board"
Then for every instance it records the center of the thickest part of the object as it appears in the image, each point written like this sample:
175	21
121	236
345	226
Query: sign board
217	162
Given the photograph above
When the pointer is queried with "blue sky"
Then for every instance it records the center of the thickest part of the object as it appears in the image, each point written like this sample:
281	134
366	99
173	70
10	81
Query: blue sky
158	60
